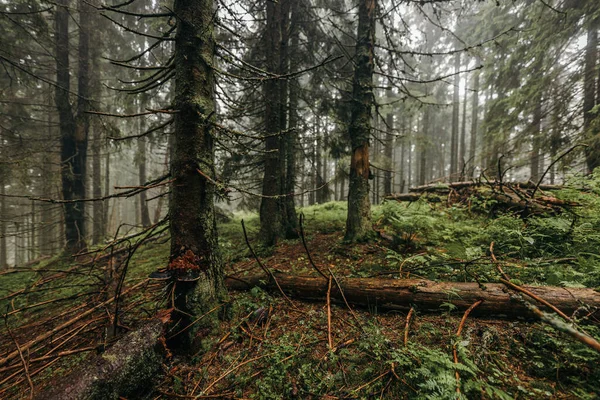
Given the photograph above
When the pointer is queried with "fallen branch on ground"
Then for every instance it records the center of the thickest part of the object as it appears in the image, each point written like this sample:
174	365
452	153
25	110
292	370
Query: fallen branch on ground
426	296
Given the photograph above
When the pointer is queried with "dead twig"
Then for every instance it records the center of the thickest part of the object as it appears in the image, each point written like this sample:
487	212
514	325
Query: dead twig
407	325
262	266
25	365
301	223
497	264
330	341
70	322
564	327
458	332
535	297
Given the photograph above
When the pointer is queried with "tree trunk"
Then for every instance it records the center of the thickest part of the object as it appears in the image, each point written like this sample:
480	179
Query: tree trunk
389	150
424	145
270	216
358	223
455	117
97	206
141	142
98	218
589	92
536	140
72	132
474	119
428	296
462	151
3	218
194	242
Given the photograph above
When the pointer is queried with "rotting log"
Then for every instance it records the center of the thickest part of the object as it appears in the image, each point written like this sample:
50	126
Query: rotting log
125	369
427	296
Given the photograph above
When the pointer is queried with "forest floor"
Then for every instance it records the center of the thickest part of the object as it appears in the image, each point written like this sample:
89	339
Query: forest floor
270	347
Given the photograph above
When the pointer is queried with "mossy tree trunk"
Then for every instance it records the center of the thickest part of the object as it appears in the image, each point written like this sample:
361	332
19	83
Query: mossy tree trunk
270	216
194	242
73	128
358	223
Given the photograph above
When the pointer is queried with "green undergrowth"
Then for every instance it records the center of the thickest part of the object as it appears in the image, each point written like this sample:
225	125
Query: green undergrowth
286	355
453	243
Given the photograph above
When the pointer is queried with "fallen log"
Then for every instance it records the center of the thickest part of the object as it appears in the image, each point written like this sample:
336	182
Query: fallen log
445	187
412	197
427	296
125	369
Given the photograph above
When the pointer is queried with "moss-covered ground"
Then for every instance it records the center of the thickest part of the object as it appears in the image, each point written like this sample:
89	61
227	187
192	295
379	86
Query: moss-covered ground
272	348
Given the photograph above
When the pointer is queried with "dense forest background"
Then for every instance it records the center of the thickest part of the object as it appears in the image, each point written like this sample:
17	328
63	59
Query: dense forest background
299	199
461	90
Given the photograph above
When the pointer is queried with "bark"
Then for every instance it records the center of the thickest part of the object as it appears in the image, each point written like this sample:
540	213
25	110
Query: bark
589	92
319	164
128	369
358	223
290	227
3	212
422	166
462	151
455	117
97	207
98	218
428	296
536	139
474	118
194	242
389	151
536	126
144	212
270	216
72	135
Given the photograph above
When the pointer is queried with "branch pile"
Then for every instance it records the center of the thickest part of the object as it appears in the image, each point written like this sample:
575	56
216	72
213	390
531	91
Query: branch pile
512	196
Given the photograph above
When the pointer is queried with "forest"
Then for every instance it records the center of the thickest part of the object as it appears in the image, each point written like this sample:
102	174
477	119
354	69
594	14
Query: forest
299	199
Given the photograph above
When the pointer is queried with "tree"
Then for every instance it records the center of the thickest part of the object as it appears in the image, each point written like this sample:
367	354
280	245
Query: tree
74	126
270	216
194	242
358	222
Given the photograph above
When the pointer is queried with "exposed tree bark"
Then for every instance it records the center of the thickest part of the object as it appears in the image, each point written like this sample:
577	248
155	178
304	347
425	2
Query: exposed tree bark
270	217
358	223
194	242
589	95
401	294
